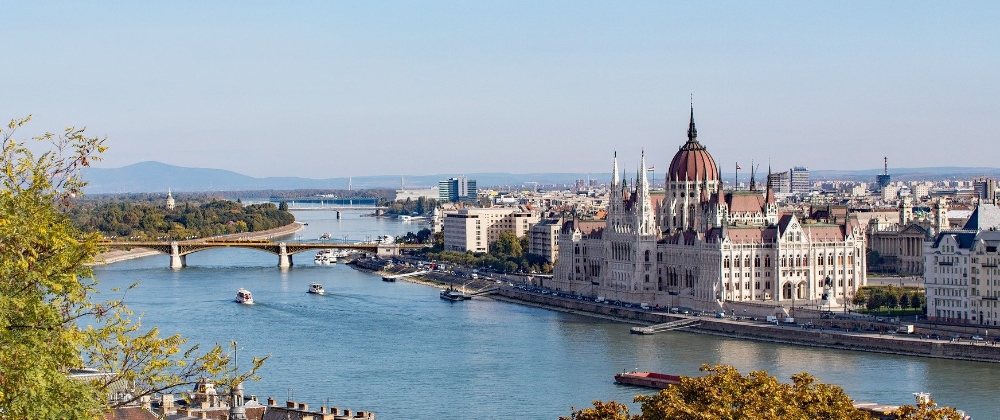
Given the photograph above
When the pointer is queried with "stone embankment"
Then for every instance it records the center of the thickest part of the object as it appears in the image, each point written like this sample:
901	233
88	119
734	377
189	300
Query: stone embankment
114	256
902	344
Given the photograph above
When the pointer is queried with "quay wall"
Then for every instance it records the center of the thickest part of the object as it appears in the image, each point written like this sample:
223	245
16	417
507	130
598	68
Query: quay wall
903	345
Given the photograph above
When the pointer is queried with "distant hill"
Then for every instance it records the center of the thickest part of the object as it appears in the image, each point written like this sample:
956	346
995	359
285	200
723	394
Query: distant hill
158	177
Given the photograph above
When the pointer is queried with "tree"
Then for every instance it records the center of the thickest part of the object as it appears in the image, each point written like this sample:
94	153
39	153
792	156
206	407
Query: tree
904	301
601	411
926	409
916	300
51	320
283	206
507	245
724	393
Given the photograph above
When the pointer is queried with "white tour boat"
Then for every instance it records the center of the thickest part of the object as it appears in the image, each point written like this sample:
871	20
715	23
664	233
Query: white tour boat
316	289
243	296
325	256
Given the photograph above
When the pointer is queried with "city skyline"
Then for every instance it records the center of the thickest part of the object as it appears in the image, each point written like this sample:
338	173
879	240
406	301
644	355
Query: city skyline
323	90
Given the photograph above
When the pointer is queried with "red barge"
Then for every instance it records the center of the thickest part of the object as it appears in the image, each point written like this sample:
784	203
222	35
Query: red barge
647	379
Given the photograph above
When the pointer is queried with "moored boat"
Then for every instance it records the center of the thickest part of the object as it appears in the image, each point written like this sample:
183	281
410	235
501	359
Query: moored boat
647	379
316	289
388	279
454	295
325	236
243	296
325	256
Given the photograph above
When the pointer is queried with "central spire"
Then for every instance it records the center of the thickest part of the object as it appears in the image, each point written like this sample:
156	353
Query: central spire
692	132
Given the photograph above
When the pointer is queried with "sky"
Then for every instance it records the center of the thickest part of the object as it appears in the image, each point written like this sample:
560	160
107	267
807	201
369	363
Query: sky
324	89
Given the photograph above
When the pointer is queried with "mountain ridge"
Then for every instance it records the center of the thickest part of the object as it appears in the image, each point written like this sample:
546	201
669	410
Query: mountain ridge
153	176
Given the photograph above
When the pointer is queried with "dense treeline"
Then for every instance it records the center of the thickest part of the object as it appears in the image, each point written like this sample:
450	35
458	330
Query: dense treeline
508	254
874	298
245	195
151	221
421	205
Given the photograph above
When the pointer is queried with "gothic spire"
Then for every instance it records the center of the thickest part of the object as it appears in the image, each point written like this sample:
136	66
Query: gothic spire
692	132
614	172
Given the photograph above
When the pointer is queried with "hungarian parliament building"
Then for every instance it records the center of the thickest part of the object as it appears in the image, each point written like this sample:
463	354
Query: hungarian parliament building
697	246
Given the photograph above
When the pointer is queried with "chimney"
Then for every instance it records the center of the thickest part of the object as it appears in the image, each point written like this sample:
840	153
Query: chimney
347	413
335	411
167	403
289	404
271	401
322	409
303	406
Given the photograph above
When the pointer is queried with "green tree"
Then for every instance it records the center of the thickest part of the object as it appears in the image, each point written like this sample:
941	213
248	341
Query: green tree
904	300
51	320
507	245
283	206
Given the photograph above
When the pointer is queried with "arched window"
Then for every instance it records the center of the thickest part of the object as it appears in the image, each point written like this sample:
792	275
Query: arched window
767	261
756	261
725	262
647	255
746	263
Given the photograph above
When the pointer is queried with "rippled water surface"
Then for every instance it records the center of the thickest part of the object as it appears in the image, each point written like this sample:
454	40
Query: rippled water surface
400	351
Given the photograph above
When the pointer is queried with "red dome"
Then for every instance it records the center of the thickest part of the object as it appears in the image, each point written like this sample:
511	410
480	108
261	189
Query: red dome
693	162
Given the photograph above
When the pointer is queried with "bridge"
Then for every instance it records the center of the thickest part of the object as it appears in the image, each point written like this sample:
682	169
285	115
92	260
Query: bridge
178	250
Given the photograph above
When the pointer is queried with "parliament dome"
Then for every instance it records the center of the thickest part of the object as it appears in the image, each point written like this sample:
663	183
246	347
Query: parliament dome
693	162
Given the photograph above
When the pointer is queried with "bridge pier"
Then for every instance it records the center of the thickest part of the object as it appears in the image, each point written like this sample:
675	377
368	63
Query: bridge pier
284	258
177	260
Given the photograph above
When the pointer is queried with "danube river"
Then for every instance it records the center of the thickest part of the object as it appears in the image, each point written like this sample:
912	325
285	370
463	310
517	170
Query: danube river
400	351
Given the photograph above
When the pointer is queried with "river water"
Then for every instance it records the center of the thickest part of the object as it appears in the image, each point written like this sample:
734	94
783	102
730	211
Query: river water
400	351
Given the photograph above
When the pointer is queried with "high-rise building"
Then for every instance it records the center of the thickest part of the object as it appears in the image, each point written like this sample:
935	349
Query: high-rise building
985	189
781	182
883	180
457	189
799	177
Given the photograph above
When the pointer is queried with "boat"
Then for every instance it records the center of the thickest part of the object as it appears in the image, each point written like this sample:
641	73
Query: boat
647	379
316	289
388	279
453	295
325	236
325	256
385	240
243	296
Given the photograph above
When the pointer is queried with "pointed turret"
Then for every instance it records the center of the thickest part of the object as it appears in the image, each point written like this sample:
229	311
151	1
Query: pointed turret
769	194
614	172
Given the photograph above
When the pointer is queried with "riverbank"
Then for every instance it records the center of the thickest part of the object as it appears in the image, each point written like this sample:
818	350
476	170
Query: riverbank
113	256
900	344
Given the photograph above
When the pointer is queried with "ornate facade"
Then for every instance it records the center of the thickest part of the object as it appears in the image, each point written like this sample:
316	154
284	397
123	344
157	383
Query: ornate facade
708	249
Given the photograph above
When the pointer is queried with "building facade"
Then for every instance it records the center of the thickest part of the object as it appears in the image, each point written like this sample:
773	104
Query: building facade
457	189
544	239
708	249
960	270
475	229
799	176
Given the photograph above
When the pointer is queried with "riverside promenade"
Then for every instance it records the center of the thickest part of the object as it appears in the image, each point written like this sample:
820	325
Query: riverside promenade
797	334
114	256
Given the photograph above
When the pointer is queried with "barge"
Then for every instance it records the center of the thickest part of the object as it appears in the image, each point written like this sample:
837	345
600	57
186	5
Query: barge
647	379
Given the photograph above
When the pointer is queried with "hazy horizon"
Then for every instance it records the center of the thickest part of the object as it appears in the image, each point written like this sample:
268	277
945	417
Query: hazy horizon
335	89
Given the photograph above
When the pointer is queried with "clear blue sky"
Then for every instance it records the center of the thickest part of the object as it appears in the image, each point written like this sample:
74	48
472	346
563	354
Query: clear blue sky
340	88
